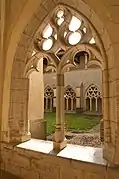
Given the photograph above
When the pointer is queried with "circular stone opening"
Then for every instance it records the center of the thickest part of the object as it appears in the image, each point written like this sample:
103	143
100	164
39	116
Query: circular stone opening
79	57
47	32
47	44
60	21
75	24
60	13
74	38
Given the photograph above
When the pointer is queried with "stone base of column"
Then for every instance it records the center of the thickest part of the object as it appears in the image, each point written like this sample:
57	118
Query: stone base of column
59	145
38	129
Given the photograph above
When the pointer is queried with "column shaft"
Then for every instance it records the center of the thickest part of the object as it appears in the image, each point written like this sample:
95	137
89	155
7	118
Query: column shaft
96	104
59	132
66	104
72	105
46	103
90	104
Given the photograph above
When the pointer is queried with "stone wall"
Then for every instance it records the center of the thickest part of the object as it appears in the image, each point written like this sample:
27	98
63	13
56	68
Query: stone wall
40	165
76	78
36	103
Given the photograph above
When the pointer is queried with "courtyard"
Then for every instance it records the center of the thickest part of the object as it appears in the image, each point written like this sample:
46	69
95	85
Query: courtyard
75	123
81	129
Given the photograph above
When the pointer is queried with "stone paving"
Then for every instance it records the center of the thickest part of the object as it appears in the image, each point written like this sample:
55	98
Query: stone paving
91	138
86	139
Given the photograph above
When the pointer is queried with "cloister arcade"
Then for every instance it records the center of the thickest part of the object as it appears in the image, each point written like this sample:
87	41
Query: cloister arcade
64	28
92	100
51	35
48	98
68	33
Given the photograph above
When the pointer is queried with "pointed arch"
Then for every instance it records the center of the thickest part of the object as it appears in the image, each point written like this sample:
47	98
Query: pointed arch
70	99
48	98
93	99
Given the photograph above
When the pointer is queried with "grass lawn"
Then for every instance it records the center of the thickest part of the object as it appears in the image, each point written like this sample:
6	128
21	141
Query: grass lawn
74	122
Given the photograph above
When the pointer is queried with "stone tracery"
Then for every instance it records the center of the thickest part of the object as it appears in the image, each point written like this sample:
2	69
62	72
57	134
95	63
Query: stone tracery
70	99
93	98
48	98
66	31
70	51
106	44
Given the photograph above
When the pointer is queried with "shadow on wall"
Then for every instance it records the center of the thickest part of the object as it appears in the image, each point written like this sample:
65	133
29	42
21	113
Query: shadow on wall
7	175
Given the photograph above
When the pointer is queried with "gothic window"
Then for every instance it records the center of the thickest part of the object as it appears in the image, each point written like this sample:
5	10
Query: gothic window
70	99
48	98
93	99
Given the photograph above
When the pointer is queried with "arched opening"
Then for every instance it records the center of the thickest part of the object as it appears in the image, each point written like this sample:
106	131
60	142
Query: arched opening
48	98
88	100
87	104
47	46
93	95
50	41
70	99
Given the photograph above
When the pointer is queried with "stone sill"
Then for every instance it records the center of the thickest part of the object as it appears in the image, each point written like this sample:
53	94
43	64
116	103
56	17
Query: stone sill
75	152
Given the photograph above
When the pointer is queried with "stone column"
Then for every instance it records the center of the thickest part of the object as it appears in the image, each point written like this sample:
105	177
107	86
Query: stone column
46	104
66	104
86	60
90	104
59	137
51	104
81	97
72	105
54	102
96	104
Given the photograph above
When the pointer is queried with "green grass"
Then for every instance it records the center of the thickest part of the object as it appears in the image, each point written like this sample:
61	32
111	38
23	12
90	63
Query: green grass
74	122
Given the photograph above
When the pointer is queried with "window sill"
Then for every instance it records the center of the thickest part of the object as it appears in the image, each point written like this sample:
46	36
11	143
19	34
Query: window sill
74	152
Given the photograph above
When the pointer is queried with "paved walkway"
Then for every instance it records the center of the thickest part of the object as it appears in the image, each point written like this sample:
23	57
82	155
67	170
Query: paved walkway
91	138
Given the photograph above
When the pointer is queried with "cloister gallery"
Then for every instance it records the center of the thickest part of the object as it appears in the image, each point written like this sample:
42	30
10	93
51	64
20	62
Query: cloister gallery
58	56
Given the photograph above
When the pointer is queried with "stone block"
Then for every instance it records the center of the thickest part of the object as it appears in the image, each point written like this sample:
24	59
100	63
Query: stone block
18	67
49	5
21	53
45	169
11	168
29	174
38	129
20	84
93	175
66	174
20	160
